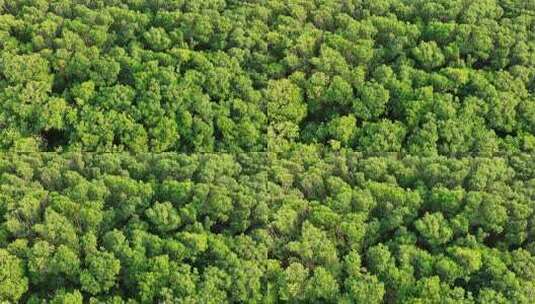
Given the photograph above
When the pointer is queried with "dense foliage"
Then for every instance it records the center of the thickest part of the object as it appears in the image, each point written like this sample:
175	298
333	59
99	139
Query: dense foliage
267	151
440	77
305	227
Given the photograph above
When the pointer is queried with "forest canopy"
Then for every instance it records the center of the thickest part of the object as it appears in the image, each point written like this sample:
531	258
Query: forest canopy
267	151
307	227
440	77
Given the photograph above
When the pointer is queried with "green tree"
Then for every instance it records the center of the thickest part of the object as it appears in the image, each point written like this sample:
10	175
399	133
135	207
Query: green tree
101	272
12	277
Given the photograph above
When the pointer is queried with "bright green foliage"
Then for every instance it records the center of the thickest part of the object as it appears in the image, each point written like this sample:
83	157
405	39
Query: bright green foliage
434	229
163	216
136	76
305	226
412	76
100	274
63	297
286	110
428	55
13	283
267	151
